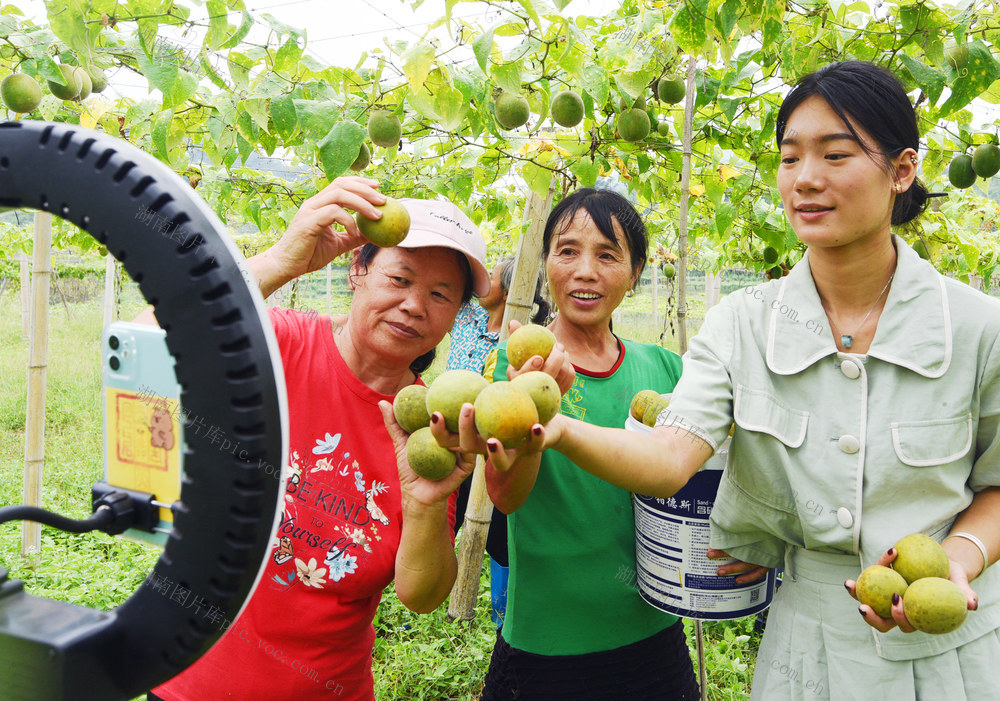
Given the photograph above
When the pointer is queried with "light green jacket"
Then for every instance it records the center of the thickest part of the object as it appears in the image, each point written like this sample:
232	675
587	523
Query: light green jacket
847	453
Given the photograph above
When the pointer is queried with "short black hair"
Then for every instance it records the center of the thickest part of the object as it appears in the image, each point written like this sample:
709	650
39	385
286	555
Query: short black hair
872	98
603	206
364	260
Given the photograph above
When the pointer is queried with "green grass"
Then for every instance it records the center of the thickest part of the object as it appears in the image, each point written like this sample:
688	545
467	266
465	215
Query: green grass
415	657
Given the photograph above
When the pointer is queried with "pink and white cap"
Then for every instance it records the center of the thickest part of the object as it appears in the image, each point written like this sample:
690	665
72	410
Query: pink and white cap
440	223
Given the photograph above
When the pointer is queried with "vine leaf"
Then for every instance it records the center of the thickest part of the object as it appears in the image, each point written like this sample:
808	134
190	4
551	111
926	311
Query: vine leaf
930	80
973	77
688	26
339	148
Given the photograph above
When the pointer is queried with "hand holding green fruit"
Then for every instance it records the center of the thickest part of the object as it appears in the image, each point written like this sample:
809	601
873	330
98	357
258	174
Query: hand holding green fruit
912	586
322	229
428	472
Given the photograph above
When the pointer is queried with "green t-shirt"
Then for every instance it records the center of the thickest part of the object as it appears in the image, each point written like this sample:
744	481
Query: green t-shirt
572	587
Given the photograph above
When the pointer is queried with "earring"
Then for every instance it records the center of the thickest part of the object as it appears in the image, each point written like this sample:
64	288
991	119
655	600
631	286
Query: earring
898	188
913	159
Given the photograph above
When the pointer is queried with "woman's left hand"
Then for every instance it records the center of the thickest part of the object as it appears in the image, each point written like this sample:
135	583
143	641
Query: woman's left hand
415	487
958	575
557	364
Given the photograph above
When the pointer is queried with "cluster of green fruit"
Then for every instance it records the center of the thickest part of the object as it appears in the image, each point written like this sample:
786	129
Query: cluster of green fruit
919	574
983	163
390	229
512	111
21	93
634	123
385	130
646	405
503	410
567	109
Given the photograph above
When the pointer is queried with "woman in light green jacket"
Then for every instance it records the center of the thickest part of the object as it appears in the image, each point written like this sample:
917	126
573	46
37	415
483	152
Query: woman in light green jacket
865	392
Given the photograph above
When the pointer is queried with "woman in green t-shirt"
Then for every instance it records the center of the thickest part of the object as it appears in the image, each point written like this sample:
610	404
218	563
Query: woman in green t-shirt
575	626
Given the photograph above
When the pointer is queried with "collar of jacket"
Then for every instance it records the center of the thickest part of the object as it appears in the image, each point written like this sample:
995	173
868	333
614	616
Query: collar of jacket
914	330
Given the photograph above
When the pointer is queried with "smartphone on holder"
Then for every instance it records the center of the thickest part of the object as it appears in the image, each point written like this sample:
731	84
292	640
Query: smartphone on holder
143	427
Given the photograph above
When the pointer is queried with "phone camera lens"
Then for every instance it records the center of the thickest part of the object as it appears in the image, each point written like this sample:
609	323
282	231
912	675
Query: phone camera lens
114	342
114	362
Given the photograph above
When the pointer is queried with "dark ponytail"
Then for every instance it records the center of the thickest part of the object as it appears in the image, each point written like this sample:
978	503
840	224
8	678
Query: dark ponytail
542	314
909	204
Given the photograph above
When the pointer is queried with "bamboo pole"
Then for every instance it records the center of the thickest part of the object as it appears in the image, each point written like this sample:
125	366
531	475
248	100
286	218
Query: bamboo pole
25	269
713	289
110	298
682	338
685	197
34	428
479	511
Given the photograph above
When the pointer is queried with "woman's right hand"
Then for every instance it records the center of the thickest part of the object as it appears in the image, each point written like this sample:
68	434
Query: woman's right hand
468	439
313	238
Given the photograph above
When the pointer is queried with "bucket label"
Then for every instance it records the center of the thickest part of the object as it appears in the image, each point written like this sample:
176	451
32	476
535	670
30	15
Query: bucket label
674	573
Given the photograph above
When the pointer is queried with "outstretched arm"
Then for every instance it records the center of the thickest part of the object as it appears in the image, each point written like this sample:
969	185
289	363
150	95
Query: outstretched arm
313	238
655	464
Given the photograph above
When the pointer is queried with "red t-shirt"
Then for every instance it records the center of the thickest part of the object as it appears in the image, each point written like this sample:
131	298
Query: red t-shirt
307	631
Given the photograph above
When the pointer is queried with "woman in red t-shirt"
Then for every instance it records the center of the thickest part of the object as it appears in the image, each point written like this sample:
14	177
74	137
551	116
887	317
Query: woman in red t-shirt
355	517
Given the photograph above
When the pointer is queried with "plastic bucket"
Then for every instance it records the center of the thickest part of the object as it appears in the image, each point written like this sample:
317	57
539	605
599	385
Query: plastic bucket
673	571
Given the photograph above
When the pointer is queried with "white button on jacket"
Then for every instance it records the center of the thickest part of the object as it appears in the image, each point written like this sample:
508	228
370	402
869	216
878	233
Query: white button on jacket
849	444
850	369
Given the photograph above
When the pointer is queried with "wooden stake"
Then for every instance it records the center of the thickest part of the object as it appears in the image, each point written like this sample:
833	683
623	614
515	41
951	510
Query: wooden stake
520	299
34	428
25	294
713	289
110	298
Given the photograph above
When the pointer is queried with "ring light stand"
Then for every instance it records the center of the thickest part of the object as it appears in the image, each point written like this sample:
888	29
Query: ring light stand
222	342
